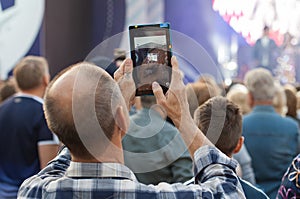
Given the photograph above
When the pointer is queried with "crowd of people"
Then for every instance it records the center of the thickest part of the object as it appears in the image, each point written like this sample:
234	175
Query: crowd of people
86	135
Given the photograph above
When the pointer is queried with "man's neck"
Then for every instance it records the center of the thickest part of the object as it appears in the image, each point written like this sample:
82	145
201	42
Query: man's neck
113	153
36	92
263	103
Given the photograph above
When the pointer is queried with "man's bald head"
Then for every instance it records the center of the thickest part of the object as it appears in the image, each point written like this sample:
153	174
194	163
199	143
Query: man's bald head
80	106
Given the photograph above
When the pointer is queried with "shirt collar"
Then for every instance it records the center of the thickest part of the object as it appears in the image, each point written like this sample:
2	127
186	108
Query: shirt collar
265	108
99	170
36	98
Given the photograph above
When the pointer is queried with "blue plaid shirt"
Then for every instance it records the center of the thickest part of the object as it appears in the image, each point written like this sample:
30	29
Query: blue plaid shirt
63	178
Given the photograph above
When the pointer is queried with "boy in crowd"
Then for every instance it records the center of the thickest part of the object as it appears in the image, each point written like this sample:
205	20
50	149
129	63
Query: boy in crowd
221	121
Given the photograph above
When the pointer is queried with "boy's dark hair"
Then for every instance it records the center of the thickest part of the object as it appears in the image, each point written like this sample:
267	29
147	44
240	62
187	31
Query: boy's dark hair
222	118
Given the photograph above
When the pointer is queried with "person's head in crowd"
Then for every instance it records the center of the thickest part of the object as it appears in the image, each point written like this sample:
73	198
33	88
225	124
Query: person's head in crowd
236	83
210	80
298	100
291	102
221	121
7	89
147	101
279	101
238	94
260	84
84	107
32	75
198	93
291	88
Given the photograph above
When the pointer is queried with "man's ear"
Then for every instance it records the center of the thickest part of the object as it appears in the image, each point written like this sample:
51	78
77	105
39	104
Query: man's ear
250	100
46	79
121	121
239	145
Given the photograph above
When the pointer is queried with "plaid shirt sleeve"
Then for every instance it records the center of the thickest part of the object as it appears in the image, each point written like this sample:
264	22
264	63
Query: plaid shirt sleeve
215	172
215	178
33	186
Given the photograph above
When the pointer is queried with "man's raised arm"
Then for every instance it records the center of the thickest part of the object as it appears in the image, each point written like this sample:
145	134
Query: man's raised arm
175	104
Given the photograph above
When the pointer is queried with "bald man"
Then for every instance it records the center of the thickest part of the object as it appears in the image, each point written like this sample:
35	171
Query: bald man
88	111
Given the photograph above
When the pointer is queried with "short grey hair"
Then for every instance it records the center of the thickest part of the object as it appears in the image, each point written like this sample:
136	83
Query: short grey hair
29	72
260	83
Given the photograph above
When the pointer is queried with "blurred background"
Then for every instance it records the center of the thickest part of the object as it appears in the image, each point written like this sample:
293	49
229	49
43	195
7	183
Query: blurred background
66	31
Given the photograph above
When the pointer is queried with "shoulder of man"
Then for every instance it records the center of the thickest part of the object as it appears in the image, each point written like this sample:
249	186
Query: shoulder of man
252	191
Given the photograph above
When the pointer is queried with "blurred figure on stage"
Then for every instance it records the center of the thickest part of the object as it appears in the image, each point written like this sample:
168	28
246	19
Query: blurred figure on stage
265	52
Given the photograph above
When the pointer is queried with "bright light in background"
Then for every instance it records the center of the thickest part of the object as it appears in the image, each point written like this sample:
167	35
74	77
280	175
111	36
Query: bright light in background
231	66
227	56
248	17
222	57
227	81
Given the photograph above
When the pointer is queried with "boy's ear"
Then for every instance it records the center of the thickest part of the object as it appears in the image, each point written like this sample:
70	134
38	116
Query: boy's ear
239	145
